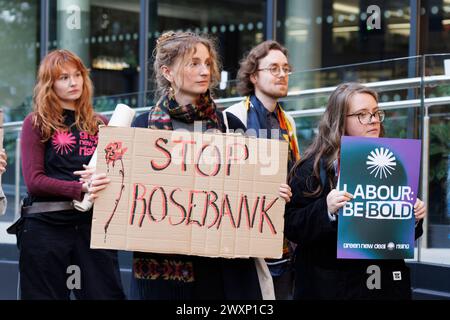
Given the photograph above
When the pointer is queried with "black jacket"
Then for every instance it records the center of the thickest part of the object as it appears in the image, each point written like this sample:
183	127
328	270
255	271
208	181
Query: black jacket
319	274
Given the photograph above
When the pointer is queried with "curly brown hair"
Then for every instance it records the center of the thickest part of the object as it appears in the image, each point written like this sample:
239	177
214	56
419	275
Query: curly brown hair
250	64
172	46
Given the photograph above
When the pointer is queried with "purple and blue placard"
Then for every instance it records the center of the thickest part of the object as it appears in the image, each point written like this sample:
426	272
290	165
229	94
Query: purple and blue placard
383	176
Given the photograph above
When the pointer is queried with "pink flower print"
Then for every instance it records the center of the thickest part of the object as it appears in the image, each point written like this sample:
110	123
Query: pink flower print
63	142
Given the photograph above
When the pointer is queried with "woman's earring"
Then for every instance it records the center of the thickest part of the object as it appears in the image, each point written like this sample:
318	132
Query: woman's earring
171	91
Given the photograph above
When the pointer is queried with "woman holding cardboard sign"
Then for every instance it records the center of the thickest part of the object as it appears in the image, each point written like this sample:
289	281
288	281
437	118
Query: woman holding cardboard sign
58	139
186	68
311	216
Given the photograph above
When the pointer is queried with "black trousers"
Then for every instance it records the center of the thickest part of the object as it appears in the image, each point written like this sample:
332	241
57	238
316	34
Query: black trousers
52	256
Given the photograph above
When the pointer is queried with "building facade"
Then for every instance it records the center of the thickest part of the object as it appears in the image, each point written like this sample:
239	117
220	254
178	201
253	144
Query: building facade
400	46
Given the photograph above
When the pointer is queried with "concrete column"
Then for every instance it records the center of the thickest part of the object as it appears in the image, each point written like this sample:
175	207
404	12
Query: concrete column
303	36
73	27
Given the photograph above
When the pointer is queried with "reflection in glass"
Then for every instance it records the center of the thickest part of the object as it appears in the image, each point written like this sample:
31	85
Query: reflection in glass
224	20
105	34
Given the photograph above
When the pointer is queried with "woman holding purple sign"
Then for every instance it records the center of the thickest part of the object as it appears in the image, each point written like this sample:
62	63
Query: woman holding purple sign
311	216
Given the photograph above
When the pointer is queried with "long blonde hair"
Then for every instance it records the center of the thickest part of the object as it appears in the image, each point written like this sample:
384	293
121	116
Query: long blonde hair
47	107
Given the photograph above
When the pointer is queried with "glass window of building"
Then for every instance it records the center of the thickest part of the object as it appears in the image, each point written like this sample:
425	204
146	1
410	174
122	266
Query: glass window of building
20	46
338	32
438	231
19	35
434	35
236	30
105	34
435	26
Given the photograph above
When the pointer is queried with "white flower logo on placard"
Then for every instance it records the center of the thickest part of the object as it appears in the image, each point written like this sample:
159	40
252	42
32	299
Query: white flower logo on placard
381	162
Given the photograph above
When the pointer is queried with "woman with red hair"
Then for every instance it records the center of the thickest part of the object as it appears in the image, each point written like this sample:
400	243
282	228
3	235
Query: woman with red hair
58	139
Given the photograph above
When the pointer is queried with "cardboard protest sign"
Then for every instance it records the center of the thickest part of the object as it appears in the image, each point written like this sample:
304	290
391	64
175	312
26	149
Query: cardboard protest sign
190	193
383	176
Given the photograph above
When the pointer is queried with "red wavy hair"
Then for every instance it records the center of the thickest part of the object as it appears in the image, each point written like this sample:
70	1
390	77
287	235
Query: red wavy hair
47	107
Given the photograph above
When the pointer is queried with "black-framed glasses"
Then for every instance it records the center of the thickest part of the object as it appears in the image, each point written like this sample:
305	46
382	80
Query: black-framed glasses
275	70
365	117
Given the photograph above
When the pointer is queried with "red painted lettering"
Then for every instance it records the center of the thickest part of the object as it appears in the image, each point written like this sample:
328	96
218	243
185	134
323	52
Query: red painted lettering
226	210
265	216
159	167
244	205
136	198
216	165
179	206
215	207
191	205
184	151
163	201
233	156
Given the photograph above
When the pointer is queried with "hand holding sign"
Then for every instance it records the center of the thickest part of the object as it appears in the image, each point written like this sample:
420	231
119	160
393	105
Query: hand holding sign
99	182
122	117
85	176
285	192
420	211
337	199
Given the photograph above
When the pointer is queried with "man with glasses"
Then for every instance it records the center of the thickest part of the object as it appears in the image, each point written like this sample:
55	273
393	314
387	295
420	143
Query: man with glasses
263	79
